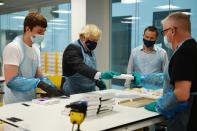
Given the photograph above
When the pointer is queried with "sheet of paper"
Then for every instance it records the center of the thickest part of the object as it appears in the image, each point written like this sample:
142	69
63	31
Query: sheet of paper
124	76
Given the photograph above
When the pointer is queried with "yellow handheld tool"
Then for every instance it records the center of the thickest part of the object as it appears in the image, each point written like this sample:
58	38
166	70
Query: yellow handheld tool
1	98
78	112
1	103
76	117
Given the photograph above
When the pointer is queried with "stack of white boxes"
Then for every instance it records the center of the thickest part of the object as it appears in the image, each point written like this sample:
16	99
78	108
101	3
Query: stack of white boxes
99	102
93	103
107	102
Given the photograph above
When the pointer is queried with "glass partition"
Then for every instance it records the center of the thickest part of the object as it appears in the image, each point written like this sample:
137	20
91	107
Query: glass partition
57	35
131	17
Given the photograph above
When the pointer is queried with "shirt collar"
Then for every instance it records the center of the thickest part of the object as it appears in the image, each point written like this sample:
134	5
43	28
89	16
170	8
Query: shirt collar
181	43
142	48
84	48
82	44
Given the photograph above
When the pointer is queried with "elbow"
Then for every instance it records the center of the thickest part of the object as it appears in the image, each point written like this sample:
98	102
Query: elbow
182	90
182	97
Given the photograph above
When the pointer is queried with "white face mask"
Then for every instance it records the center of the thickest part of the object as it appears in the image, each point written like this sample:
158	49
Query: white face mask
167	43
37	38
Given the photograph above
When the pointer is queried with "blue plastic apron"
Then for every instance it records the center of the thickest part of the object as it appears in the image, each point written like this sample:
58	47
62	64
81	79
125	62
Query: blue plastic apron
27	68
78	83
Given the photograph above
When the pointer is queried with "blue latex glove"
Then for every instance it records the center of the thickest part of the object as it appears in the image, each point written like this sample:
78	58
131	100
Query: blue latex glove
137	78
152	81
20	83
181	106
101	85
109	75
168	105
151	106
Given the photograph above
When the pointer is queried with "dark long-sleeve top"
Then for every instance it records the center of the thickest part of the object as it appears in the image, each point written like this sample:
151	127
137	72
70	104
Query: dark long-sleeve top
73	62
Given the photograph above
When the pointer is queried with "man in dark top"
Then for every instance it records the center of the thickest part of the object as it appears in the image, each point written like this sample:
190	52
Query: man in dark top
79	63
179	96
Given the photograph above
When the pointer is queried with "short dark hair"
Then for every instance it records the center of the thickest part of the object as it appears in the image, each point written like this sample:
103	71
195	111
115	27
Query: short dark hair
151	28
34	19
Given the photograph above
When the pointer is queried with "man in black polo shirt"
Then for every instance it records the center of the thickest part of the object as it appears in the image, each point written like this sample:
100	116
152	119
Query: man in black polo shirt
178	102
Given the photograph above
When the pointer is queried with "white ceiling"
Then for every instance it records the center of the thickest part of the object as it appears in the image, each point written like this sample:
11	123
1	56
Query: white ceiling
20	5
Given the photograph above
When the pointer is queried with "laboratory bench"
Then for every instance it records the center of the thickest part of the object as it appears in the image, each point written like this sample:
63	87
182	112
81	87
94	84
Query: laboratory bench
34	116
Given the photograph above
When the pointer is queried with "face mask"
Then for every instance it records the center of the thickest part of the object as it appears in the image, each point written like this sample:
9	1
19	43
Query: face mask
91	45
37	38
167	43
148	43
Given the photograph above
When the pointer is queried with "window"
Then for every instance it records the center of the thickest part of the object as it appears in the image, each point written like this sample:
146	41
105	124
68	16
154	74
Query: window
131	17
57	35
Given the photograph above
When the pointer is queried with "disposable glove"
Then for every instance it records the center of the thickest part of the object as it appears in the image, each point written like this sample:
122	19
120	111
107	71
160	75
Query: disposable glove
151	106
23	84
50	91
137	78
168	105
101	85
109	75
46	80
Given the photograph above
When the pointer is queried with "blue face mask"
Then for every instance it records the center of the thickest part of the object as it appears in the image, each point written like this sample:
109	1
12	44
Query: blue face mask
91	45
167	43
148	43
37	38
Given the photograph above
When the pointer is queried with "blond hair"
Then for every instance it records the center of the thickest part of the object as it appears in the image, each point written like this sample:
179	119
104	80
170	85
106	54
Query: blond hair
180	20
90	31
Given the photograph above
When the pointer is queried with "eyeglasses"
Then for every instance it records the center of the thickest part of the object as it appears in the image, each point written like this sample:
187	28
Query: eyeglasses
163	31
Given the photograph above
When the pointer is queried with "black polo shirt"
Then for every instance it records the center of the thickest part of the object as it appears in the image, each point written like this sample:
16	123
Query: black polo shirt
183	67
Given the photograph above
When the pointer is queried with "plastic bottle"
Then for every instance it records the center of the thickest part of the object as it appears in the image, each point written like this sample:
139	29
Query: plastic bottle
152	81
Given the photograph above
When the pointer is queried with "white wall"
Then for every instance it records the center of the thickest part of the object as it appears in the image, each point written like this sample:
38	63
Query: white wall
99	12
